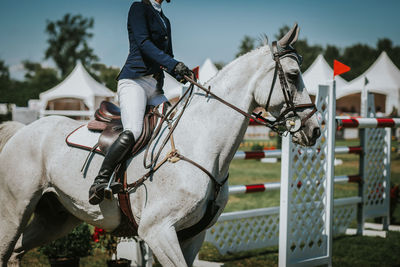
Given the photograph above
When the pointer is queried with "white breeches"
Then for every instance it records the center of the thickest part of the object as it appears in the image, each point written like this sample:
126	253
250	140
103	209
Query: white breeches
133	97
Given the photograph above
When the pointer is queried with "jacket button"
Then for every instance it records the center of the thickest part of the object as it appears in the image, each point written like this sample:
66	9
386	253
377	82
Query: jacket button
166	37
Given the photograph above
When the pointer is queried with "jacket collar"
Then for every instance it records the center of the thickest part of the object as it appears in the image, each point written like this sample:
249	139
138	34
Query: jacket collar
157	15
156	5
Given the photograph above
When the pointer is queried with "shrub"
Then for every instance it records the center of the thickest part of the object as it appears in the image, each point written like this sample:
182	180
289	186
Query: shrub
106	241
257	147
76	244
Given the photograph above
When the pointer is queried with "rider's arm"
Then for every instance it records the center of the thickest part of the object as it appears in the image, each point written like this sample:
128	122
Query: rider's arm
141	35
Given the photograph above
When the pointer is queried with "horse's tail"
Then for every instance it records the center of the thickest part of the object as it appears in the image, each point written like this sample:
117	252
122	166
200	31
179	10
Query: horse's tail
7	130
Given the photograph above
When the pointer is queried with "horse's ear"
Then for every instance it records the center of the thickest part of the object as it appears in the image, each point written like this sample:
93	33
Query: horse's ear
291	37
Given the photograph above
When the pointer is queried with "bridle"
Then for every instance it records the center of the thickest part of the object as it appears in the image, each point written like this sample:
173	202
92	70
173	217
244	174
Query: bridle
288	120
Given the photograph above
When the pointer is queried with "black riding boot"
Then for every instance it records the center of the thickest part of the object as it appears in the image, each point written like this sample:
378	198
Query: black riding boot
116	153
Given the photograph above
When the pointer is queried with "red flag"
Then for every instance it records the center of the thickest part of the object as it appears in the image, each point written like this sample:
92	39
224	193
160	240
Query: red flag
196	71
339	68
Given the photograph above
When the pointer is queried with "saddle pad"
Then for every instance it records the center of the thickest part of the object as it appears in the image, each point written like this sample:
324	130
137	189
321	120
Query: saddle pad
86	139
83	138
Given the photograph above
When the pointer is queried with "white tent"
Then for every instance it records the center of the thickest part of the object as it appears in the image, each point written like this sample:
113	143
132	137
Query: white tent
320	73
80	85
172	88
383	78
207	71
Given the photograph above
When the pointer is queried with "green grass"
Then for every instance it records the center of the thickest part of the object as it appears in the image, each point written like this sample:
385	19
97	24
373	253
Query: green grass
347	250
35	258
367	251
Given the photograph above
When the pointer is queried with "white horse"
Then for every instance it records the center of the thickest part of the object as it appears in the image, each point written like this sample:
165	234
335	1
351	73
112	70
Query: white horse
40	175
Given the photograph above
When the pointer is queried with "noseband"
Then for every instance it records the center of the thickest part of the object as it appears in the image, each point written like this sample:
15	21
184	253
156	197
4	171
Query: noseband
288	120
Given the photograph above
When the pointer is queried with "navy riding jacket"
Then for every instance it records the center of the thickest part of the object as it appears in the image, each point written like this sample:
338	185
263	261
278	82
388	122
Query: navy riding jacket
150	42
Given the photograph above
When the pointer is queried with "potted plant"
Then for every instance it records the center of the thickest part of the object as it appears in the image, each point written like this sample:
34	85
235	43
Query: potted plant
109	243
67	250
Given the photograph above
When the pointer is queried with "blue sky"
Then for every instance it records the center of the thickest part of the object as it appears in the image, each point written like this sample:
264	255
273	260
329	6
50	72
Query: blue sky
201	29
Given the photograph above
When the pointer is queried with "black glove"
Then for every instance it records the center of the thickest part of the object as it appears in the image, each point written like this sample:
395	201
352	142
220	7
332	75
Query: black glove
180	71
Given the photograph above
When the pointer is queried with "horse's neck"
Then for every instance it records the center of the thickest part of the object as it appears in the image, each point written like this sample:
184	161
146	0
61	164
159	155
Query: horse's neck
215	130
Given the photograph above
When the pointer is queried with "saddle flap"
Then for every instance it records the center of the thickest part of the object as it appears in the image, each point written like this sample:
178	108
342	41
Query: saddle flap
149	124
109	135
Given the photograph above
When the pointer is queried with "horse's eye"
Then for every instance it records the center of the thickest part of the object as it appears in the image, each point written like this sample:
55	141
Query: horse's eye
292	76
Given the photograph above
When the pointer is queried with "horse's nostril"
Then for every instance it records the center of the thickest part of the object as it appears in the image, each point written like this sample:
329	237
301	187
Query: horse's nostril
316	133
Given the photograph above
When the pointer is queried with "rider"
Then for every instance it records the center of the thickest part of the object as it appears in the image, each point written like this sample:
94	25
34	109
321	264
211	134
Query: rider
140	83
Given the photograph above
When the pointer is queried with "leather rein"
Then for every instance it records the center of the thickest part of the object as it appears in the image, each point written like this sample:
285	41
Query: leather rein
288	120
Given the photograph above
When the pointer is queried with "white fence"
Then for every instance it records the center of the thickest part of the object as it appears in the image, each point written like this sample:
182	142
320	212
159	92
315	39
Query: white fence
308	217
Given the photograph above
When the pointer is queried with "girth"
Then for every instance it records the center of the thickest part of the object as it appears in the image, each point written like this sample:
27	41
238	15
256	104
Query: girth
129	227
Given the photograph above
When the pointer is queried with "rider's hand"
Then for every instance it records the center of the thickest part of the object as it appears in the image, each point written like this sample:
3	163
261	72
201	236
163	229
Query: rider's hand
180	71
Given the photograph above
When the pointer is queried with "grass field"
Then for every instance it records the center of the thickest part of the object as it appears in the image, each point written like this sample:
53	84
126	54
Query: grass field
347	250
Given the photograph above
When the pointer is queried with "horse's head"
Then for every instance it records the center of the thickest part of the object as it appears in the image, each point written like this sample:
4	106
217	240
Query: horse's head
283	94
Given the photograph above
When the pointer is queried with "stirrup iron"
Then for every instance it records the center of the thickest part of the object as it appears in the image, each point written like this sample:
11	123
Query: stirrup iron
108	193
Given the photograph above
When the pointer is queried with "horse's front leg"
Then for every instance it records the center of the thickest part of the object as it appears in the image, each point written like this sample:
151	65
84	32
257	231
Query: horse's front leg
164	243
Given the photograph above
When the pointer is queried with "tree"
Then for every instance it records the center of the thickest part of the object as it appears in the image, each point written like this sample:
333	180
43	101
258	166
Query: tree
359	57
331	53
246	45
106	75
68	42
384	44
5	83
393	52
4	72
282	31
38	78
219	65
308	52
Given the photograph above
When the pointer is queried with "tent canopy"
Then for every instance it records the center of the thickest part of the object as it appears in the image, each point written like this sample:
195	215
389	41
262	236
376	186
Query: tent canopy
207	71
172	88
78	84
320	73
383	77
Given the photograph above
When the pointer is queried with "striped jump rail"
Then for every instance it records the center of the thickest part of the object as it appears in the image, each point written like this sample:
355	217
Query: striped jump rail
267	187
352	122
277	153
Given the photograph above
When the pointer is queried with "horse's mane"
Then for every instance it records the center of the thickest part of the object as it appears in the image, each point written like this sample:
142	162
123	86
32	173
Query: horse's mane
228	66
